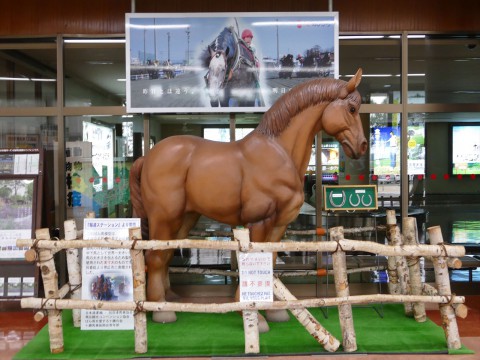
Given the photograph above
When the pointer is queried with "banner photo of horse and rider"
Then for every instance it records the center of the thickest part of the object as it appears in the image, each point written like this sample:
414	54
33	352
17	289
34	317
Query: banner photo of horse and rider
224	62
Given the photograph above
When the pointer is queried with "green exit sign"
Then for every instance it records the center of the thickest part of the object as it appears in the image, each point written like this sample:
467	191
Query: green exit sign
354	197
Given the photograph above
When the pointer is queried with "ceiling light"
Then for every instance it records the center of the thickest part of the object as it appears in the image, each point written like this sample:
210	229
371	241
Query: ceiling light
158	27
93	62
293	23
6	78
47	80
360	37
94	41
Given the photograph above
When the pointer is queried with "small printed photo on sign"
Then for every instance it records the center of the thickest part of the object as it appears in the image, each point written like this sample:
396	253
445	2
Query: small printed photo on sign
110	286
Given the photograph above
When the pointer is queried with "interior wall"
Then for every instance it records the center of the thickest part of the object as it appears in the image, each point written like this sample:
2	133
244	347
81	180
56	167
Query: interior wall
51	17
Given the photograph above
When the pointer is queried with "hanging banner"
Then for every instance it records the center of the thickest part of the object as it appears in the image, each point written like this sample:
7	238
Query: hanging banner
224	62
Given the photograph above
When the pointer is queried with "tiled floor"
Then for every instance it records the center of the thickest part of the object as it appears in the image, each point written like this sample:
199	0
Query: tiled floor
17	328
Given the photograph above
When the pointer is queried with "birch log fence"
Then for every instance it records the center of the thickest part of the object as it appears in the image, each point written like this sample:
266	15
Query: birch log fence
403	258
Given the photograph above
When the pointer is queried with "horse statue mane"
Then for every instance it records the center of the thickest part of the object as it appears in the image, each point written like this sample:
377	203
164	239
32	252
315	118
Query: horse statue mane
256	182
302	96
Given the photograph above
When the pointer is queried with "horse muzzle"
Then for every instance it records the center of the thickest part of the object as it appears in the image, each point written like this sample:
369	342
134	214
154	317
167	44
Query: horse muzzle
355	152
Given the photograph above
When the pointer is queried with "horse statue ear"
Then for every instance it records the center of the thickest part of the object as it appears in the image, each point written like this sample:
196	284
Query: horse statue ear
354	81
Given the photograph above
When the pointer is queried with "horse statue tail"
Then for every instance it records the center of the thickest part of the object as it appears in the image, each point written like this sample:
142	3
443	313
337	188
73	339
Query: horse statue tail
136	196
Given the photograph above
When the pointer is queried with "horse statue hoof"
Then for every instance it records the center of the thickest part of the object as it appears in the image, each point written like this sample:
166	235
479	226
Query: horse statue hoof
277	315
262	324
164	316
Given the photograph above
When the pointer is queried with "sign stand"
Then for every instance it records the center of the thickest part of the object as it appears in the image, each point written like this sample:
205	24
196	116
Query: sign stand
352	198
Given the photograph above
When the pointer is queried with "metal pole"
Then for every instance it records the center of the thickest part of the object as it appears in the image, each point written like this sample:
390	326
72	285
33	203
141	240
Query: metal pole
188	46
278	47
168	46
154	40
404	131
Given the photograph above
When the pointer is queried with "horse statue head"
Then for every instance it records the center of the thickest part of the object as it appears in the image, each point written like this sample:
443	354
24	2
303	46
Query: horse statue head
349	132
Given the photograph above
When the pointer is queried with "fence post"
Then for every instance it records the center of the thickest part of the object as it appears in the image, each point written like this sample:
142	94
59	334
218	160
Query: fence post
50	284
442	280
74	268
413	262
250	317
341	286
394	238
393	281
139	291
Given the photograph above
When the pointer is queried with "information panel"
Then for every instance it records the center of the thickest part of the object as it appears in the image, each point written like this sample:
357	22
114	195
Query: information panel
354	197
256	276
107	274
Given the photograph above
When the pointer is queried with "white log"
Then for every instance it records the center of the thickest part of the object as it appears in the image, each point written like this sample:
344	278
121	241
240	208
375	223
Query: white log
442	280
242	236
318	231
250	325
50	284
279	273
391	217
62	292
395	239
324	246
314	328
74	268
393	280
339	262
452	262
413	263
461	310
233	306
139	292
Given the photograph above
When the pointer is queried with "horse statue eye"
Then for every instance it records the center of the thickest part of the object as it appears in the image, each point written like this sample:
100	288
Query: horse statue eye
352	110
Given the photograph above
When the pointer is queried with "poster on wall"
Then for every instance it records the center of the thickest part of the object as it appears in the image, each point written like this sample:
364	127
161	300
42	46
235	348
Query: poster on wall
385	150
101	139
16	215
79	179
224	62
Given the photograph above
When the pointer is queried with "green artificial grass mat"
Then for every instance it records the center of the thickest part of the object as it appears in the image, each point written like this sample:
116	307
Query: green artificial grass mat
197	334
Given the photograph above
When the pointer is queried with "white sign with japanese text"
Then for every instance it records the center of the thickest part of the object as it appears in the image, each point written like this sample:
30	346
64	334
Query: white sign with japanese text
107	274
256	276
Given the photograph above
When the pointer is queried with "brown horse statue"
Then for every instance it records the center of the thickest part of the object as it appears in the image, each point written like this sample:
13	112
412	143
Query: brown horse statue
256	182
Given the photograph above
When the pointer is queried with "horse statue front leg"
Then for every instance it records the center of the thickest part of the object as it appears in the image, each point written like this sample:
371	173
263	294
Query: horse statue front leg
276	315
157	281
